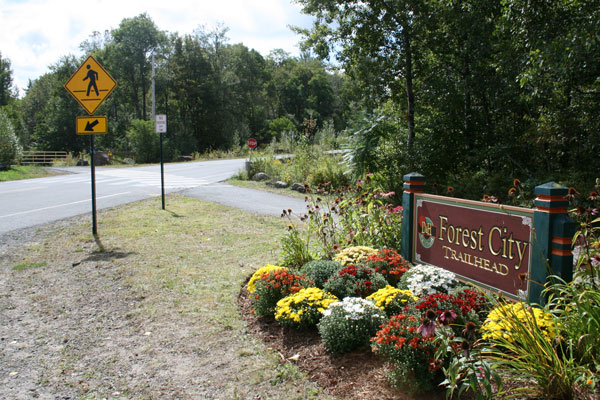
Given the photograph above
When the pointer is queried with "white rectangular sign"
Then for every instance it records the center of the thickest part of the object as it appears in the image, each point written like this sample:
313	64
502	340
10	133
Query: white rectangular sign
161	123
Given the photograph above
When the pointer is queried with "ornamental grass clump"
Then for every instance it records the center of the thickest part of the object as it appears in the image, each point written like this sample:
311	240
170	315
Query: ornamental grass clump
392	300
265	269
274	286
411	354
320	271
349	324
355	281
422	280
304	308
524	344
390	264
354	255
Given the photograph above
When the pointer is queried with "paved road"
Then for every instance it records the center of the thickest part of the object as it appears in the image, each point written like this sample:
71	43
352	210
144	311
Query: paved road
32	202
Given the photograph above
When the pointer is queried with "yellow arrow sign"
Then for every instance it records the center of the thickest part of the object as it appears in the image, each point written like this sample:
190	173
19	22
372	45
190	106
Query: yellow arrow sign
91	125
90	85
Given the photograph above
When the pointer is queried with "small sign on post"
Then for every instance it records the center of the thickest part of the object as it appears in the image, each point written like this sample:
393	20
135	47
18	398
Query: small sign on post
161	127
252	143
161	123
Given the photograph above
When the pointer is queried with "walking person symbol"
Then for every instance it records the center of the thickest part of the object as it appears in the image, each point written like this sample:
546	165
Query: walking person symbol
92	76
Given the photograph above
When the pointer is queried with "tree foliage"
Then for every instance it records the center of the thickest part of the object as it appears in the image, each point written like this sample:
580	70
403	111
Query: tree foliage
482	91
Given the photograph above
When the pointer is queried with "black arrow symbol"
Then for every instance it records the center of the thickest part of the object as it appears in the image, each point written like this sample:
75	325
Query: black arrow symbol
89	126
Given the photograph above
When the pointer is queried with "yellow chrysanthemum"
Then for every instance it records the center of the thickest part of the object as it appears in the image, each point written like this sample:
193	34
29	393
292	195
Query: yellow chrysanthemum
502	320
384	297
354	255
303	307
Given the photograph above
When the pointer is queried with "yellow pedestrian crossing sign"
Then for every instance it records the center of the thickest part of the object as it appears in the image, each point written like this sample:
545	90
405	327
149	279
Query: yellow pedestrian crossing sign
90	85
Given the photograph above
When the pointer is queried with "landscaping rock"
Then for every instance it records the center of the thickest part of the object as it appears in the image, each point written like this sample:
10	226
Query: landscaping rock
260	176
185	158
3	166
101	158
298	187
281	185
129	161
82	162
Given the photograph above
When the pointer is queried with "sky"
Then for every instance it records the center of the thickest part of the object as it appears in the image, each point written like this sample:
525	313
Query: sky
35	34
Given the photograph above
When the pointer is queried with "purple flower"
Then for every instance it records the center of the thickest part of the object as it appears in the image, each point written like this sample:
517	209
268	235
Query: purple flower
447	317
427	328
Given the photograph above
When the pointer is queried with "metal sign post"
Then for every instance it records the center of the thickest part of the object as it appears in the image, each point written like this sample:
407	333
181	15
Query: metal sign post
90	85
93	168
161	127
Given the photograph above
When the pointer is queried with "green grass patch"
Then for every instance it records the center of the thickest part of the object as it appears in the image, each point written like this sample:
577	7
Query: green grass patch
18	172
31	265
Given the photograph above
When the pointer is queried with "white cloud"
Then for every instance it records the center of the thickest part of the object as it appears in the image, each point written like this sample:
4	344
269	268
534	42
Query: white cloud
35	34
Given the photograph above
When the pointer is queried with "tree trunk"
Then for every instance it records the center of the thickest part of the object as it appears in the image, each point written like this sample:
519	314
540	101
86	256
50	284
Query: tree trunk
409	89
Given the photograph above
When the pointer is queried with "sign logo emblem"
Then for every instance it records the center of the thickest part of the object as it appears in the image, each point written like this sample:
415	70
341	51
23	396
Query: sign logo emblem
426	232
90	85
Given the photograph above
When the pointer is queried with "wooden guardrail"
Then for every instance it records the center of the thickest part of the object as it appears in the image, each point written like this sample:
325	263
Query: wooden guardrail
43	157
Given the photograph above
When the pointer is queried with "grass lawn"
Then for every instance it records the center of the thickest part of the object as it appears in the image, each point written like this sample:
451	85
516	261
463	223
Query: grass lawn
149	309
17	172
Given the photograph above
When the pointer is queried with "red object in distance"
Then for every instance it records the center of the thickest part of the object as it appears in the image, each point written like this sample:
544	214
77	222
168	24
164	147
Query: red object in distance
252	143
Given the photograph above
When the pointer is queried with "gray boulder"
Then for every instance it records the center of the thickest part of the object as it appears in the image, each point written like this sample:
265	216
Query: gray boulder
101	158
280	185
298	187
260	176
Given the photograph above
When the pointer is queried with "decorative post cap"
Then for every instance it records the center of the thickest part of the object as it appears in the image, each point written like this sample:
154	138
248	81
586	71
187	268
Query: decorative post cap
551	198
414	183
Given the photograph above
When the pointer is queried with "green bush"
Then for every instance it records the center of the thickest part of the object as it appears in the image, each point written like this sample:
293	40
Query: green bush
320	271
355	281
10	149
144	141
349	324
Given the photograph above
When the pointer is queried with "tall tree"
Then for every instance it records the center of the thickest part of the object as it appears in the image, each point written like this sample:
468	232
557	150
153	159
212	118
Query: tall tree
129	52
376	40
5	81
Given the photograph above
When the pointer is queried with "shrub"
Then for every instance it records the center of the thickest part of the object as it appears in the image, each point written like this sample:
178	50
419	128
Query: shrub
265	269
354	255
368	217
355	281
274	286
411	354
423	279
10	149
304	308
390	264
144	141
392	300
349	324
319	271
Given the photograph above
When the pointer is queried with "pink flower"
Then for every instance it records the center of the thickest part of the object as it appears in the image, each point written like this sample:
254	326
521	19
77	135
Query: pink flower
396	210
447	317
427	328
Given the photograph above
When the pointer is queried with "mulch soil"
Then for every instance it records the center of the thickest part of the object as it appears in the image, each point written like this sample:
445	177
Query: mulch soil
359	375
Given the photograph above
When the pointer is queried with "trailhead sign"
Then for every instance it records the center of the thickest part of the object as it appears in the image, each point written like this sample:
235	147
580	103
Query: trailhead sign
90	85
